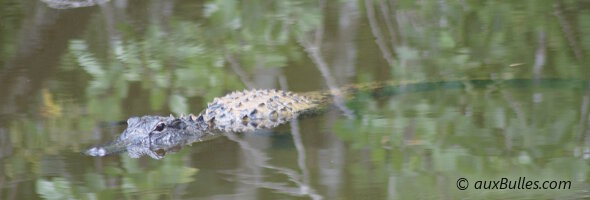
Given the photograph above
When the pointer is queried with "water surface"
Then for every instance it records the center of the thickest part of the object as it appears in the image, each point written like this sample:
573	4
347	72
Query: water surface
70	72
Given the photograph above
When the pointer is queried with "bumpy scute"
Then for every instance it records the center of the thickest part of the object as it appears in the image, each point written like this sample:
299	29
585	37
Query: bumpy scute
254	109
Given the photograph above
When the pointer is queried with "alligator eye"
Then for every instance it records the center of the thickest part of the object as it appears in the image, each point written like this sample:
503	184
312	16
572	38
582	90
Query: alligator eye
160	127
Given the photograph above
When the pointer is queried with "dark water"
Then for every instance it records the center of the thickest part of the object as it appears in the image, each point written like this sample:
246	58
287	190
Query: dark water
68	75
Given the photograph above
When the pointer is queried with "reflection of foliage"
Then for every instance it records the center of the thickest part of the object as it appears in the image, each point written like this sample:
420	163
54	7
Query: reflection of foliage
417	141
49	109
50	136
454	38
427	139
58	188
260	30
10	15
186	60
160	176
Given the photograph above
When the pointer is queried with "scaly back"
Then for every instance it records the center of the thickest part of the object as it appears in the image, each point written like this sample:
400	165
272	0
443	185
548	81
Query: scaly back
255	109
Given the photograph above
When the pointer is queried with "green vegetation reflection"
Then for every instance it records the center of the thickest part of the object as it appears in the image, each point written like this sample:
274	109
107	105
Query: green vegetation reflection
134	63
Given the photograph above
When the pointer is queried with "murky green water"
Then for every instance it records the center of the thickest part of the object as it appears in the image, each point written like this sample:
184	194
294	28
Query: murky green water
68	75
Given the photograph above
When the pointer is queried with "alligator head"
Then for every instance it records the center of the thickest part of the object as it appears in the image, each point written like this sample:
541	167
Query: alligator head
155	135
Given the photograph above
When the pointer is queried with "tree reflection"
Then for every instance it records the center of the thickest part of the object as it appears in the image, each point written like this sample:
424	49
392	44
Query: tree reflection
65	71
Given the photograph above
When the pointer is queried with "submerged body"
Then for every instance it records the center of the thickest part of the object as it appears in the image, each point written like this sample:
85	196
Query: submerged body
236	112
262	109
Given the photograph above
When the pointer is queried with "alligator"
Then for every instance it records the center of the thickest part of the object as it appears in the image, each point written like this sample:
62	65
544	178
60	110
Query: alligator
252	110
